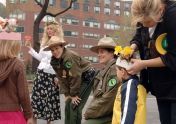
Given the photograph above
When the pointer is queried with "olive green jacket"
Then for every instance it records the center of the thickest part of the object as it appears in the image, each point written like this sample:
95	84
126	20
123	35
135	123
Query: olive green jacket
69	68
104	91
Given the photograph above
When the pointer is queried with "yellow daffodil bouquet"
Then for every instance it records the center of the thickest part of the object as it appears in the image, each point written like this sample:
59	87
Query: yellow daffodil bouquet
124	53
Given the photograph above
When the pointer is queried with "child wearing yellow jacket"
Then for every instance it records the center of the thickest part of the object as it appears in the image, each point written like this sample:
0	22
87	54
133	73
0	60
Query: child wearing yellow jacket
130	102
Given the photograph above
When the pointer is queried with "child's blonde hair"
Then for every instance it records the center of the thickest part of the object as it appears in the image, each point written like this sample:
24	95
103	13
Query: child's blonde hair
9	48
57	28
141	9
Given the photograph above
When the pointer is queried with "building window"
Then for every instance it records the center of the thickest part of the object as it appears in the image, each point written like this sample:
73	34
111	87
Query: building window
20	29
92	59
86	46
75	5
111	26
107	11
52	2
126	13
23	1
107	2
127	6
12	1
63	4
71	33
41	1
97	9
18	14
85	7
69	21
117	4
92	23
91	35
97	1
71	45
117	12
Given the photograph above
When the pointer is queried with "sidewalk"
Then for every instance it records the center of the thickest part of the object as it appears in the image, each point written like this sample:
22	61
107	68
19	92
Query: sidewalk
152	111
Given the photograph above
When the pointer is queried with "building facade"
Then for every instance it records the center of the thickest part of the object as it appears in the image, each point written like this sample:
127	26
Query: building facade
84	24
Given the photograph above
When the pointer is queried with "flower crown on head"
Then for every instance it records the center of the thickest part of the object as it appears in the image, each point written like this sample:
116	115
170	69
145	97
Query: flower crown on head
123	53
53	22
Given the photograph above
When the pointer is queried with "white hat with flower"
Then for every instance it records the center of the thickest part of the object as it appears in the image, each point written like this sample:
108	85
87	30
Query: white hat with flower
124	56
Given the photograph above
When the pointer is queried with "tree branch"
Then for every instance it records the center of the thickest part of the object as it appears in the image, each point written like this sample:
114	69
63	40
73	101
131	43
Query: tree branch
39	3
54	15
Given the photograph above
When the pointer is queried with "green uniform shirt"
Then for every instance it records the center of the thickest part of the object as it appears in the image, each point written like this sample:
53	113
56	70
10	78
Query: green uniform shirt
69	69
104	90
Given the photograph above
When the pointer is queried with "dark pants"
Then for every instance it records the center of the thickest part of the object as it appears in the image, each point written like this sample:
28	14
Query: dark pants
74	116
167	111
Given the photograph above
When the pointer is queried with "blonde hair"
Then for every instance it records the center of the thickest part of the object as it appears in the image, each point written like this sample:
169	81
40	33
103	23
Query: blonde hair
142	9
9	48
56	27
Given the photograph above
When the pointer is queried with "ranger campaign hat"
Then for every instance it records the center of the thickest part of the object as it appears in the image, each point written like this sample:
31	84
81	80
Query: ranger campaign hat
161	43
106	42
55	41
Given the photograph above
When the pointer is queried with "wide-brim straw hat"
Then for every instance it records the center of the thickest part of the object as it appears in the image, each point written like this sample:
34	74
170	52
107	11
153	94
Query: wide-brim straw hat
55	41
161	43
106	42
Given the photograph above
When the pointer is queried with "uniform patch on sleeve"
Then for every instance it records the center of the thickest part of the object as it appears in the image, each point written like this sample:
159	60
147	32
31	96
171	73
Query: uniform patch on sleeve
68	64
112	82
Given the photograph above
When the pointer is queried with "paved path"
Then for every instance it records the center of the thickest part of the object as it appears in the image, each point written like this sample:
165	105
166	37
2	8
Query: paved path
152	112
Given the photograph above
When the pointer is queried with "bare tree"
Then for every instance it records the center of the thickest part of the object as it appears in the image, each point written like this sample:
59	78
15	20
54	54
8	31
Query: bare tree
44	12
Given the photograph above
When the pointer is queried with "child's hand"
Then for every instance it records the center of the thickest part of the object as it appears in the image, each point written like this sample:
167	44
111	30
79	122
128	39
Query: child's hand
30	121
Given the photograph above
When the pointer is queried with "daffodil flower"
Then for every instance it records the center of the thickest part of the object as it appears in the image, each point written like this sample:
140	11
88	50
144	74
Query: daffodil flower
118	49
127	51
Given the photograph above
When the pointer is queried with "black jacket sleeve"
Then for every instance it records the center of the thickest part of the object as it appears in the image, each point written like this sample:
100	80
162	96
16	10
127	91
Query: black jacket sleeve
169	59
137	37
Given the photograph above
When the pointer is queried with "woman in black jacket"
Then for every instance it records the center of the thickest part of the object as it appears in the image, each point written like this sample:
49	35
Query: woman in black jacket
158	71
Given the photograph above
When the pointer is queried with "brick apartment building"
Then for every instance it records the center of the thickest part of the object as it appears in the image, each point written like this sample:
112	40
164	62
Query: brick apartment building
84	24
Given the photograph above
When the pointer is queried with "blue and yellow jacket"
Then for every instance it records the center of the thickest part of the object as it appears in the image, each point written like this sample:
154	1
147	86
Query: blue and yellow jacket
130	103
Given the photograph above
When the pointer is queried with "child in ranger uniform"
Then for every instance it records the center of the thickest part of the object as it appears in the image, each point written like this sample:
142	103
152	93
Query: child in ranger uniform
75	75
130	102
